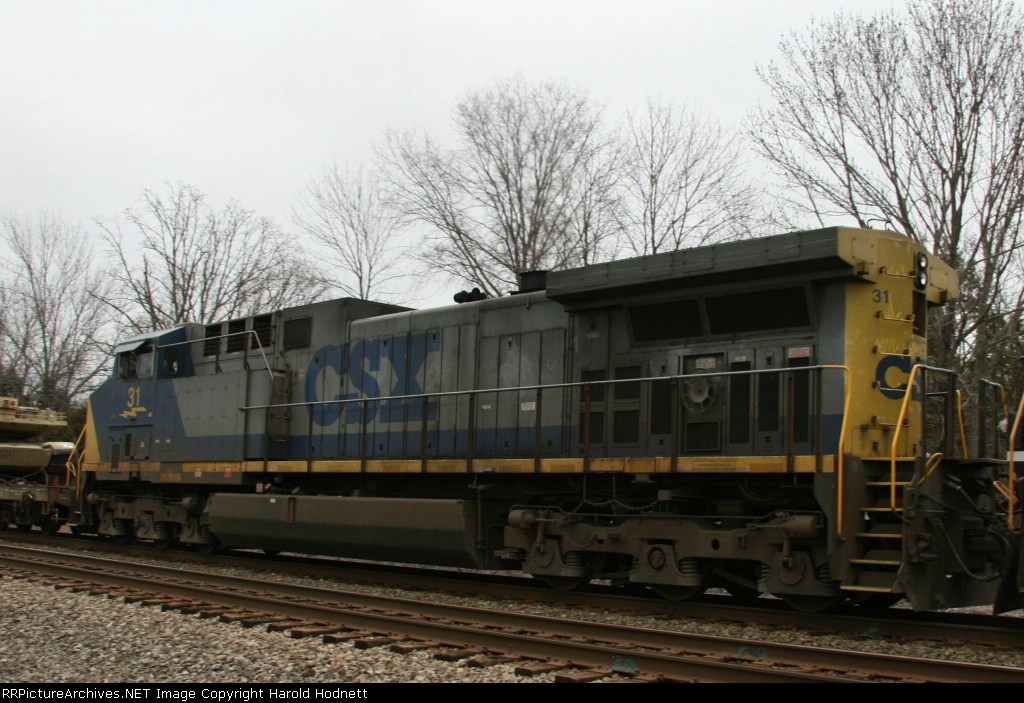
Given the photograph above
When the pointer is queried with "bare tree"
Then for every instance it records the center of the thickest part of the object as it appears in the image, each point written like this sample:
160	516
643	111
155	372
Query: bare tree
508	199
915	120
595	229
187	262
350	215
683	182
12	361
54	337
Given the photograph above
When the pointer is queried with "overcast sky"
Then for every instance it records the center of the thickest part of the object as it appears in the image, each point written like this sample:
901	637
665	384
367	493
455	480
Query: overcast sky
249	99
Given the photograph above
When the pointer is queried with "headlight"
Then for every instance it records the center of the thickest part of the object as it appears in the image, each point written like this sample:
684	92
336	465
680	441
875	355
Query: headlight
921	270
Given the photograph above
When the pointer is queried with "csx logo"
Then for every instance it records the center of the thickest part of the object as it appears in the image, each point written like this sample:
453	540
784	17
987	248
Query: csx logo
893	370
375	368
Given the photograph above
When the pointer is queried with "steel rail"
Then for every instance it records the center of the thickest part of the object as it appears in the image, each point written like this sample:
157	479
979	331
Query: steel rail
897	623
658	653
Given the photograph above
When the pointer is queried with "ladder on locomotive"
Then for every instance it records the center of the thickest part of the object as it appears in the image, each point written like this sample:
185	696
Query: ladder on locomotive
880	541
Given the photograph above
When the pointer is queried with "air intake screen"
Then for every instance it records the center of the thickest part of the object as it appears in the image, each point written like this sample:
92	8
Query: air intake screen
211	345
626	428
761	310
739	404
236	338
297	332
661	321
801	401
702	437
262	326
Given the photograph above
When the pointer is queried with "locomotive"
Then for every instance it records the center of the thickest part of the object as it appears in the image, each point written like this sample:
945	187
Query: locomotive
755	415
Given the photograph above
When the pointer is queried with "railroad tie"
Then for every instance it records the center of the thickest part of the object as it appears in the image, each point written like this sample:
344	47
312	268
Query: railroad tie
454	655
371	642
482	661
339	637
580	676
314	631
408	647
538	668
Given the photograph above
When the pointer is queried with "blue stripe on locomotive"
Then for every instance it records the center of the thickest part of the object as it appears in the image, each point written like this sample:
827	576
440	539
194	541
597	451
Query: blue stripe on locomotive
149	409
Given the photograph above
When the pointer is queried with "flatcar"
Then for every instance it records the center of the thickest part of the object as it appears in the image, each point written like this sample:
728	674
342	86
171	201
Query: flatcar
757	415
32	472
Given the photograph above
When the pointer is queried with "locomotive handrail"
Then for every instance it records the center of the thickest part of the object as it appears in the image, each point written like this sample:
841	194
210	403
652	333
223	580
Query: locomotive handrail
259	348
1012	477
960	418
840	464
929	467
899	424
71	465
982	444
584	386
550	386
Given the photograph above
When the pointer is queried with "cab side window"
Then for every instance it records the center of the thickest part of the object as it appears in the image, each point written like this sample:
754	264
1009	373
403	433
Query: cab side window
126	365
137	363
145	365
170	365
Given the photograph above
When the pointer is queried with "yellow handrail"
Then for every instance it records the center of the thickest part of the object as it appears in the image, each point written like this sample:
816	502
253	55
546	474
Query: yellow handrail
1012	477
1002	489
73	464
896	435
929	466
842	443
960	416
899	426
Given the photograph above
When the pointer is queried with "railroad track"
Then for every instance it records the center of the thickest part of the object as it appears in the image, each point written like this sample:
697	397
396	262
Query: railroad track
579	650
895	623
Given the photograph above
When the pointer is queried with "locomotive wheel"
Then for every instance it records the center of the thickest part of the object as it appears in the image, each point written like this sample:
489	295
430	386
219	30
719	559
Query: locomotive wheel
25	528
592	565
208	547
128	528
169	535
678	593
811	604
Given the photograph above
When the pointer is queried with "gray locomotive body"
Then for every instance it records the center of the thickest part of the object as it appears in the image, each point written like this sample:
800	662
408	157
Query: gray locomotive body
724	415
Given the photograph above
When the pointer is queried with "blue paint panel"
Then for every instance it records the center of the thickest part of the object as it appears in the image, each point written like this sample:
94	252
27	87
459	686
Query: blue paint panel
141	405
376	368
394	427
393	414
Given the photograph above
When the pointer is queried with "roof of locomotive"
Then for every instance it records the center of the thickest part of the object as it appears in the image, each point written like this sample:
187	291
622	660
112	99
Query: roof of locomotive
822	253
133	343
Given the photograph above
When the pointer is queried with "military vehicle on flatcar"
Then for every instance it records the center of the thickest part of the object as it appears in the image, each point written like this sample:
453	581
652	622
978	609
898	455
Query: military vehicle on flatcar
32	472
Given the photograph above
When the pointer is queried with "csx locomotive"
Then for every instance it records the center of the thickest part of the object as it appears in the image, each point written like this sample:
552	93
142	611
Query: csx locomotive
756	415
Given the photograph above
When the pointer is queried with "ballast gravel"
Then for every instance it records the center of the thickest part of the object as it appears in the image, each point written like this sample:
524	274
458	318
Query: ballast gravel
57	636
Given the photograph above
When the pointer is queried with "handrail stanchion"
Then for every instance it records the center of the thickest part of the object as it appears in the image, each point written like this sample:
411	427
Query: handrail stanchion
840	450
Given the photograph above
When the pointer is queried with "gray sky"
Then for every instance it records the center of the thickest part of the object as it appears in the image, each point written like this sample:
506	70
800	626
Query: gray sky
249	99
